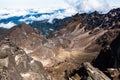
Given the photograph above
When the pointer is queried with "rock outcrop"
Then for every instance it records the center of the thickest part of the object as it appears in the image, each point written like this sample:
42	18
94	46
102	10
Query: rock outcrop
108	59
94	73
25	37
16	65
109	56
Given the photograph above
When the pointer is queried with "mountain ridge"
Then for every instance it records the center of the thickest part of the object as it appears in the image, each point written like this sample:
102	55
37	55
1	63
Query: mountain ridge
65	50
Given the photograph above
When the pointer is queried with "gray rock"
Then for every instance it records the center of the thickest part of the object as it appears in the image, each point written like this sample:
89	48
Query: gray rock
16	65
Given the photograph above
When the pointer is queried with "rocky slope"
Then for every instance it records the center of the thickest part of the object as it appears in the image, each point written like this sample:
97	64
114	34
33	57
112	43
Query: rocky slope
25	36
77	41
16	65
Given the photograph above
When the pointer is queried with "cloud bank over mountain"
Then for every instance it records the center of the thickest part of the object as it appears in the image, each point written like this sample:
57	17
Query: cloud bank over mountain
11	17
8	25
92	5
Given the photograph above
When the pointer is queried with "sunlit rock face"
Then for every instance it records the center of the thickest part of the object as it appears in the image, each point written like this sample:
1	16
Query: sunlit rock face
77	41
16	65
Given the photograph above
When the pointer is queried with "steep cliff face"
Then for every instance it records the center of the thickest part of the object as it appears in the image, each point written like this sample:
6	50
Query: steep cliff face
115	50
109	56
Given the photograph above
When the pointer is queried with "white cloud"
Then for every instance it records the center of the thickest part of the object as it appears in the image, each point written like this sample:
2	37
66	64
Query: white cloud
7	13
113	3
27	4
92	5
33	18
12	12
24	12
59	15
8	25
67	13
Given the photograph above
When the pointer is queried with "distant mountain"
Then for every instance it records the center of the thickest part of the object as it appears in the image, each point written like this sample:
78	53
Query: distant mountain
3	31
12	17
91	20
46	27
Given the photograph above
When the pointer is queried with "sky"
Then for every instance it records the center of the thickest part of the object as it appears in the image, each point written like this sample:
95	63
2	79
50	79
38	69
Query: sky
92	5
43	4
79	5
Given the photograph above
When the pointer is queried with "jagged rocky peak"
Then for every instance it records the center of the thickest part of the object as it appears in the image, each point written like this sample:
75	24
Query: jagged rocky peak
16	65
114	12
25	37
23	29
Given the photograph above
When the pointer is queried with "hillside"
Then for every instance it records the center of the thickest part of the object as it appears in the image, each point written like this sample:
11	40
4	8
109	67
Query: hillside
72	42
